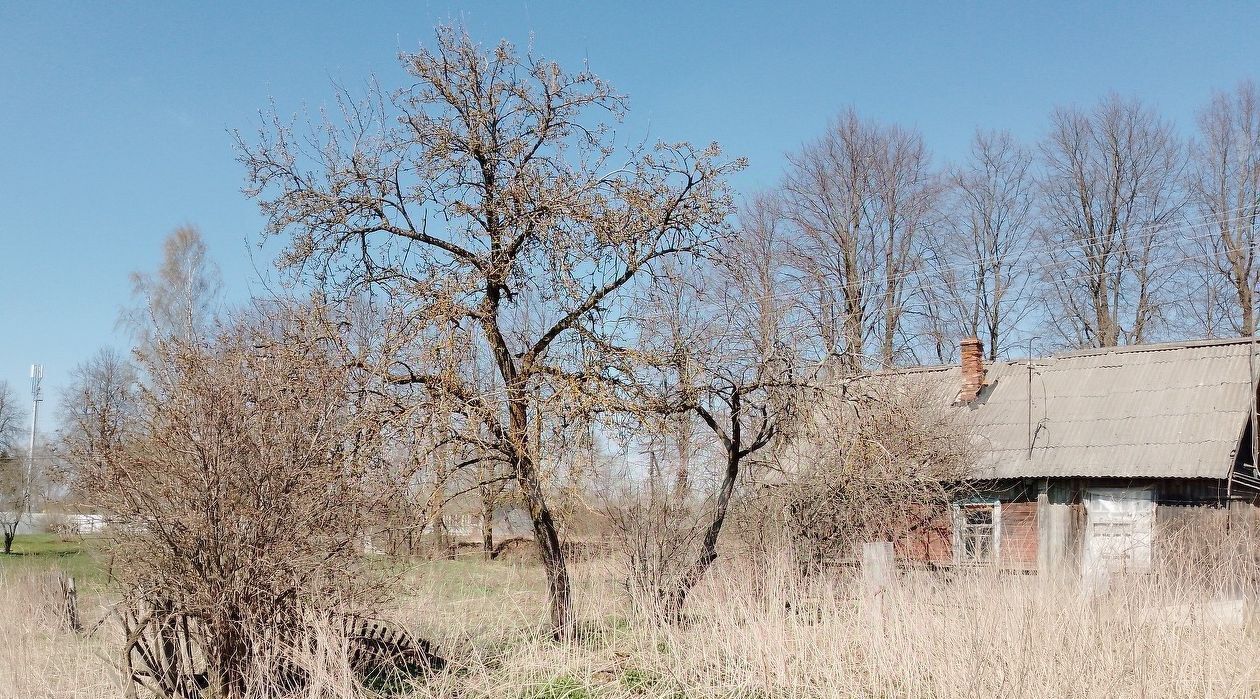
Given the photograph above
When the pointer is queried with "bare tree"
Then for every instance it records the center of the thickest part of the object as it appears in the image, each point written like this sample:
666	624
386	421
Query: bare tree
486	184
858	200
97	408
906	195
1224	191
14	477
182	297
733	364
980	264
1111	198
829	198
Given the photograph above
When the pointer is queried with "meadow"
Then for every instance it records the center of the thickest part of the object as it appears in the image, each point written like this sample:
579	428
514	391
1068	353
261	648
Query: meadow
769	634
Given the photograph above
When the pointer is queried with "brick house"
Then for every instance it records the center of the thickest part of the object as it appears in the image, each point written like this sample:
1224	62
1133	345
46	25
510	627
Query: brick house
1080	453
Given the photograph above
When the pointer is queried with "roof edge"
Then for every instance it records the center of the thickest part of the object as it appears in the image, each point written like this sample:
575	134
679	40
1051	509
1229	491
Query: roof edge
1068	354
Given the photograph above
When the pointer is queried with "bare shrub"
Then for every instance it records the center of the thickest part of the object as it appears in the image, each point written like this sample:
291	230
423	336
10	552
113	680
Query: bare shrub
239	497
656	538
870	468
1207	549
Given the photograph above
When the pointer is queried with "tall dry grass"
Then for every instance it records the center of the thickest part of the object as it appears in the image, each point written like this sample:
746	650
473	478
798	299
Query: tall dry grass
764	632
773	634
39	656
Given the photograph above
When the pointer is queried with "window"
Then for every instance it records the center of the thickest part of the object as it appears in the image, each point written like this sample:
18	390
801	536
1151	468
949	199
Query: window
977	530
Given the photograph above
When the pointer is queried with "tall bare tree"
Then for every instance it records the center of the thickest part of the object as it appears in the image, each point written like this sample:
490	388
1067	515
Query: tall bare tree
906	196
181	298
980	263
1111	197
1224	191
491	181
829	198
857	201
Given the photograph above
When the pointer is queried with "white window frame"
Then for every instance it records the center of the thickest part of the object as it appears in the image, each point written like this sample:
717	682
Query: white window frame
960	533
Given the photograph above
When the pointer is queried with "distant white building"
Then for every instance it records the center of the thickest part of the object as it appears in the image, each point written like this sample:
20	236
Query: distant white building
70	523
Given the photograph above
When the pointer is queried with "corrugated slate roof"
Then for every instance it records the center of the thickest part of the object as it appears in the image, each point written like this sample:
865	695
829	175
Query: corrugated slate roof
1169	411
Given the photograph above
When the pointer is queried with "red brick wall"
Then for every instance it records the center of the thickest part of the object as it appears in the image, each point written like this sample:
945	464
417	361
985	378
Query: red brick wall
1019	536
930	539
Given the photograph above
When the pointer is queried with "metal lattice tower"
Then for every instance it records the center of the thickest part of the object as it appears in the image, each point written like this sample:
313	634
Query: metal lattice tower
37	395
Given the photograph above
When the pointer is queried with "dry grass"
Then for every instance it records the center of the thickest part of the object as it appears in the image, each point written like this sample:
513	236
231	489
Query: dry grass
39	656
773	635
981	634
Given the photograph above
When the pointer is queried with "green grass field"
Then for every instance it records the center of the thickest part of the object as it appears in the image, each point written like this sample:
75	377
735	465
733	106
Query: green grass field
72	555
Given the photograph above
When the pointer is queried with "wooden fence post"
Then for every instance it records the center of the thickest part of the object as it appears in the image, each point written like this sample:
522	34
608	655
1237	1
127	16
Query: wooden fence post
70	603
877	566
877	577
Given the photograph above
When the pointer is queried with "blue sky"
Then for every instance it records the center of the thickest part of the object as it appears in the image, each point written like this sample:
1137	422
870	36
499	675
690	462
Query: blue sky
115	117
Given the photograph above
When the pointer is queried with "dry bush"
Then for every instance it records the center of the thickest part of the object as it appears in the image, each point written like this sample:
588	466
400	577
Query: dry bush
1208	550
656	540
868	469
238	500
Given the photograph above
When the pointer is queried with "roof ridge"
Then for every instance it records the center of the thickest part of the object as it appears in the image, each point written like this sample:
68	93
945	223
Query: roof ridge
1069	354
1153	347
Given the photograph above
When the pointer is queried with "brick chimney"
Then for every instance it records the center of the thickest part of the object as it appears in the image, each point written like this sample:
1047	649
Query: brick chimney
972	369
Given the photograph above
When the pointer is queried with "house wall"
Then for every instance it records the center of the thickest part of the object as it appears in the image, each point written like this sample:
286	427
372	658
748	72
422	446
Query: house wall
1019	537
1043	522
1168	491
930	538
932	541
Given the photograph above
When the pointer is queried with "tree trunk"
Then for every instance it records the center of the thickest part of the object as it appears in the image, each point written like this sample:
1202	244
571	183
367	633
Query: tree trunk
1245	301
708	549
546	534
8	540
487	523
549	552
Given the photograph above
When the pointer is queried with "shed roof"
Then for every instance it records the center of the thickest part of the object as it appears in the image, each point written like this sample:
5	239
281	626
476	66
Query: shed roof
1172	410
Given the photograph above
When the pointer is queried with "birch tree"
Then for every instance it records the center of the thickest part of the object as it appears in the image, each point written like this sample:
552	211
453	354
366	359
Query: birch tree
179	299
490	181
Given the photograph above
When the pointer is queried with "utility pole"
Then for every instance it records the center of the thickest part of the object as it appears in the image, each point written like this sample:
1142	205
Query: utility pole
1032	435
37	395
